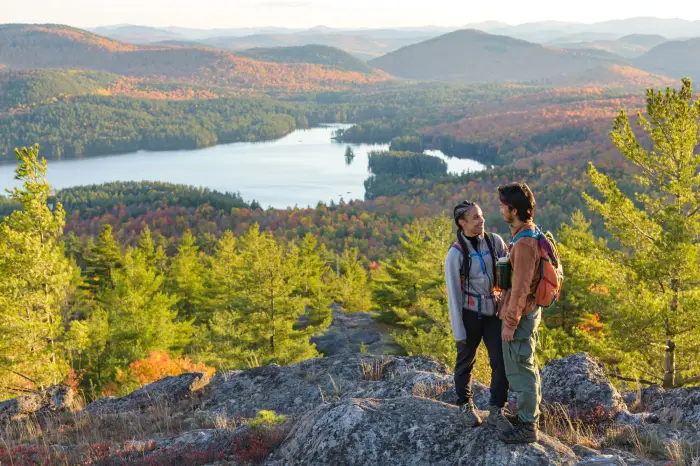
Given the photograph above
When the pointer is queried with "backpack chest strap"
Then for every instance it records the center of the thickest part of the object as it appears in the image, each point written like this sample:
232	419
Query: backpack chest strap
481	255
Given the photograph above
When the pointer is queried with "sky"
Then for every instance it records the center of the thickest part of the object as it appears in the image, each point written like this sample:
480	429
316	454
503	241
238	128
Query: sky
334	13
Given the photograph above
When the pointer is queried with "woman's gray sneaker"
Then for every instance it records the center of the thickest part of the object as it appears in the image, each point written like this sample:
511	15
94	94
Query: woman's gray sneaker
471	418
497	418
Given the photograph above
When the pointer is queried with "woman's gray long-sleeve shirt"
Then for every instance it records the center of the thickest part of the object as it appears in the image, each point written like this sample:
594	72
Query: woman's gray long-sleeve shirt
481	281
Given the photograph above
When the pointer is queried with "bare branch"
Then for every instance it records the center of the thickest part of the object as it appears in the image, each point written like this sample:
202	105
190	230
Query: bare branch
630	379
686	381
21	375
649	374
19	389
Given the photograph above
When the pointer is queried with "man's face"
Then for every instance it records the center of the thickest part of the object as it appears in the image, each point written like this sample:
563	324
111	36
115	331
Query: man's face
472	222
509	214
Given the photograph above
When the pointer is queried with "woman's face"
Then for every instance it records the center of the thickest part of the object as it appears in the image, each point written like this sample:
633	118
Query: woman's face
472	222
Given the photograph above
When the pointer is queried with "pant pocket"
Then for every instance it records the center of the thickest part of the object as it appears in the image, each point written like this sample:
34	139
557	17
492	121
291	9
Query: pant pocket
526	352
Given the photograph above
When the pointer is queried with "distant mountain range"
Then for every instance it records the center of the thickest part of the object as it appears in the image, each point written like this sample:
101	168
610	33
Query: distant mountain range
367	44
464	56
542	31
363	47
631	46
473	56
63	47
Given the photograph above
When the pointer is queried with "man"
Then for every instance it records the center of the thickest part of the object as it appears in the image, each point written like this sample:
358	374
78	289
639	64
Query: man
521	317
470	275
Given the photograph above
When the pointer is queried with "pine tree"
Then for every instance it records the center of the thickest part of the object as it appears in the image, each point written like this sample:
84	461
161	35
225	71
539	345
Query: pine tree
35	278
313	271
255	298
102	259
186	279
135	318
268	278
351	287
653	280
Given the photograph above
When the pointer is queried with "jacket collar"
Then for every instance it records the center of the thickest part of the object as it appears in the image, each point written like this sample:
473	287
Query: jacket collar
525	226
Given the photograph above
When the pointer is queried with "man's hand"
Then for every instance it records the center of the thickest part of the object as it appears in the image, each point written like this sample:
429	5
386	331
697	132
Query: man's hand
507	334
462	342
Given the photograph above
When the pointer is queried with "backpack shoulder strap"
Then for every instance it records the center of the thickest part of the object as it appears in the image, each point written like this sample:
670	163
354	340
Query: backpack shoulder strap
489	243
457	247
524	234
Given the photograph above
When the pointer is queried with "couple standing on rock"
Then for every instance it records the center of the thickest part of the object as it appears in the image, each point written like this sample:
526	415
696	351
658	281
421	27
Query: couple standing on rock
507	321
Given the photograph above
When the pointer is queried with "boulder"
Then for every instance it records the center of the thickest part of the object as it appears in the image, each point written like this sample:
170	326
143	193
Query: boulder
404	431
579	381
166	391
680	405
53	399
645	398
275	388
301	387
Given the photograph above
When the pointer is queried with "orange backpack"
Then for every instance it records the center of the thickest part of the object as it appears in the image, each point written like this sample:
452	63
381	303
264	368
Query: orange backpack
551	271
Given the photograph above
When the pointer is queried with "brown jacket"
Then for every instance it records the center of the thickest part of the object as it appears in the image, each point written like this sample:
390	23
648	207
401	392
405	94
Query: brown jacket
525	261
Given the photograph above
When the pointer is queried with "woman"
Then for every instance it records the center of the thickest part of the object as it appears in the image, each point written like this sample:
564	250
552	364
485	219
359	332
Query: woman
470	273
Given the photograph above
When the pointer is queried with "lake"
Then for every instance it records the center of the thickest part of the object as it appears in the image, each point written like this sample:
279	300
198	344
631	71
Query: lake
301	169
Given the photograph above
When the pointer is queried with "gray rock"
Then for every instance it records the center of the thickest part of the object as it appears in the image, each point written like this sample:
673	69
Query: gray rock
54	399
652	395
636	419
365	337
404	431
579	381
348	332
168	391
678	406
316	380
584	452
244	393
602	460
214	440
644	398
629	458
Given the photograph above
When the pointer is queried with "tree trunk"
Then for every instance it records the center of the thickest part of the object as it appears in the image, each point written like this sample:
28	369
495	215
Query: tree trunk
670	355
670	365
272	314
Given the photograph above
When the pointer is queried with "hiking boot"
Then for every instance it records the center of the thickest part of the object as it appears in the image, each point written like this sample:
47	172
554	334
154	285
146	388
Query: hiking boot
498	419
525	432
471	418
514	419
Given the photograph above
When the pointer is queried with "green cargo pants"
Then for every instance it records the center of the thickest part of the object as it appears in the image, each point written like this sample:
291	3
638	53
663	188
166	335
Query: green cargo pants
521	366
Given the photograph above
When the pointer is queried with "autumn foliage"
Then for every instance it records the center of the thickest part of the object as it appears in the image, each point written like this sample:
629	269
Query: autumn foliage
157	365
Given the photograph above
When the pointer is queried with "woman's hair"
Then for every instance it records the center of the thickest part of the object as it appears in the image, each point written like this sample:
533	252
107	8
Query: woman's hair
519	197
460	211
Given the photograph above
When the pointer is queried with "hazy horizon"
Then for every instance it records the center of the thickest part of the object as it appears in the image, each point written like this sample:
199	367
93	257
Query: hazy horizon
302	14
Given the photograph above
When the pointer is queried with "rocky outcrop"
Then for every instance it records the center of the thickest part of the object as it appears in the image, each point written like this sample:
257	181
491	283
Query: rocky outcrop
301	387
53	399
361	409
168	391
404	431
579	381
